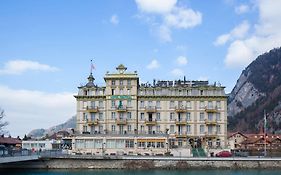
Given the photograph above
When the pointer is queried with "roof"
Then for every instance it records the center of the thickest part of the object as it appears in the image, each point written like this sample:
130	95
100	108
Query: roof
234	133
9	140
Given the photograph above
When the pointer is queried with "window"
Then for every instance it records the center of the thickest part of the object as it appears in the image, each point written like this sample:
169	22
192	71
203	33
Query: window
141	104
202	117
218	116
188	118
172	116
201	92
202	104
113	82
129	128
202	129
112	91
142	128
113	128
121	91
218	105
121	116
100	116
210	129
180	104
158	104
158	116
100	104
188	104
218	129
112	103
210	116
142	116
129	103
188	129
93	104
84	128
113	115
121	82
129	82
172	104
172	129
129	115
93	117
158	128
129	144
210	105
85	118
128	91
100	129
149	103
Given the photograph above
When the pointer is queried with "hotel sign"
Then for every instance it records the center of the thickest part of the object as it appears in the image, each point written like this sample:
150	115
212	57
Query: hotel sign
120	97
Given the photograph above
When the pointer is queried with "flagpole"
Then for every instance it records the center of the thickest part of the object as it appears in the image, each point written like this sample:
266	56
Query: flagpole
264	134
91	70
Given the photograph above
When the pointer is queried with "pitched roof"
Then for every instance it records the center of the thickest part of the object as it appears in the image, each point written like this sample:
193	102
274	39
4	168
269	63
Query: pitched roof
9	140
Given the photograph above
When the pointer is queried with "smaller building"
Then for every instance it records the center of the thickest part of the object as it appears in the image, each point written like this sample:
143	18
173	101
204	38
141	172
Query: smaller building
10	142
235	139
40	145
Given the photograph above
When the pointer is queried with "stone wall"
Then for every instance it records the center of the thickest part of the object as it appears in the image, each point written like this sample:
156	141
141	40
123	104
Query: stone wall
63	163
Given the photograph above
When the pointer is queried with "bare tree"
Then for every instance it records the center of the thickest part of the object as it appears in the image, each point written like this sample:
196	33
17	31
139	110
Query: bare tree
2	123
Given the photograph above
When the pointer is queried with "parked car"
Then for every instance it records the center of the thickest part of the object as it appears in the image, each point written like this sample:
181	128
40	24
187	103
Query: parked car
224	154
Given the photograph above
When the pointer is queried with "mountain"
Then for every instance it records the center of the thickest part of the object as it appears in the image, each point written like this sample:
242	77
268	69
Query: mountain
258	89
67	126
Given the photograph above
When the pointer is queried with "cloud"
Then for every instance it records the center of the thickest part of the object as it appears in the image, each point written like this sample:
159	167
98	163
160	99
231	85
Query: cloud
156	6
177	72
26	110
243	8
266	36
153	64
183	18
18	67
164	16
238	32
181	60
114	19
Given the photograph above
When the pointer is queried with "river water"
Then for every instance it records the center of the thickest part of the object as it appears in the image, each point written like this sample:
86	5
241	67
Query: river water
139	172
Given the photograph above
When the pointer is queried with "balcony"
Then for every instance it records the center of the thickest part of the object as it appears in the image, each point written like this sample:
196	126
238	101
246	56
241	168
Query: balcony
181	135
93	122
121	121
211	134
210	109
181	109
150	122
121	108
92	109
150	109
210	122
181	122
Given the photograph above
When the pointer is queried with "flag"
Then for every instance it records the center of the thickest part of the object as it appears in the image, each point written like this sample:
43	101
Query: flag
92	66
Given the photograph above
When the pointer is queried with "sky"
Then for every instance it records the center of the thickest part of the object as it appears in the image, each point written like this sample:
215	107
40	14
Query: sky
46	47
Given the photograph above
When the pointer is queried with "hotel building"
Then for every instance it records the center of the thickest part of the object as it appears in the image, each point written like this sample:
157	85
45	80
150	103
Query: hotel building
163	116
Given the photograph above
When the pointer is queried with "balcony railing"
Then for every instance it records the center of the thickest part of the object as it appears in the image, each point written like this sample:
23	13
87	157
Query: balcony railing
211	109
121	108
180	135
93	122
181	109
211	134
150	109
210	122
121	121
150	122
181	122
92	109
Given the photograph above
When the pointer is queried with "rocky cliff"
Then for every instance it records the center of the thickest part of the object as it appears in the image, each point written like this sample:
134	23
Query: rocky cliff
258	89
